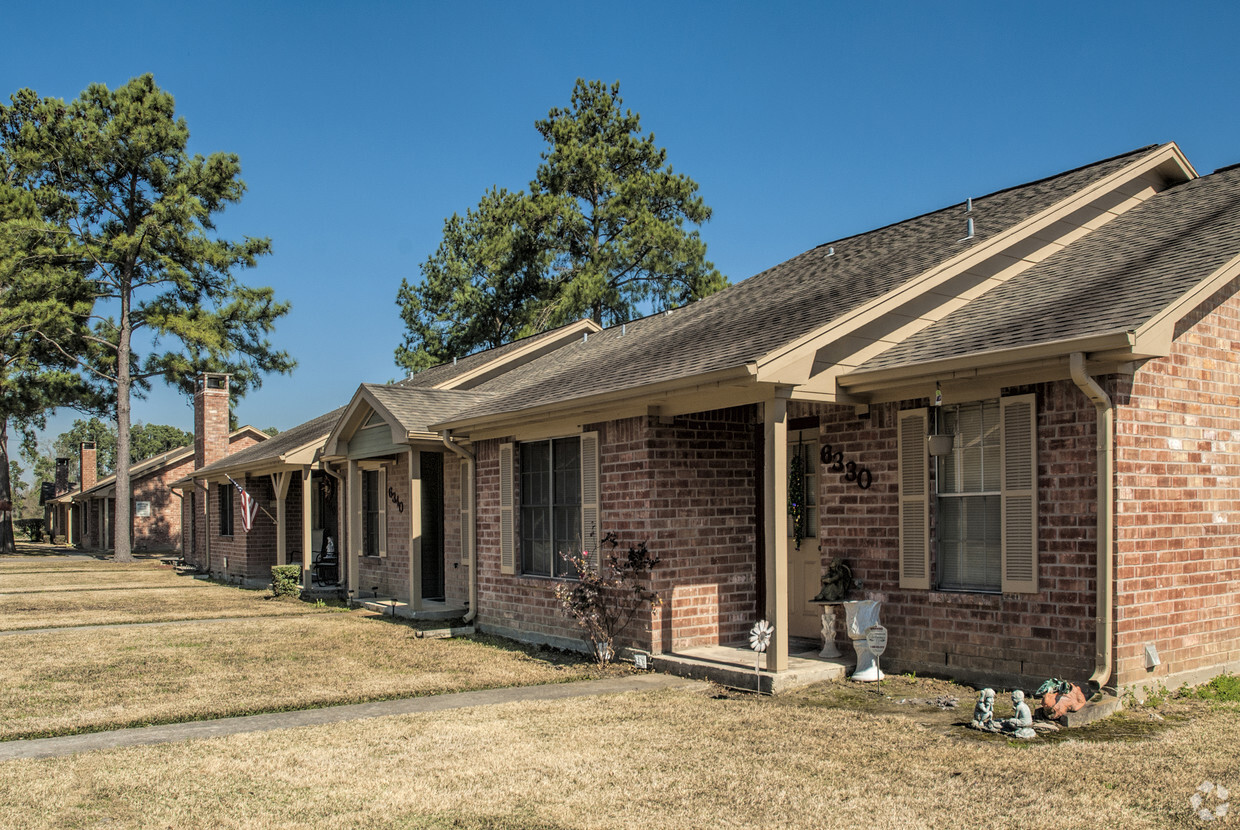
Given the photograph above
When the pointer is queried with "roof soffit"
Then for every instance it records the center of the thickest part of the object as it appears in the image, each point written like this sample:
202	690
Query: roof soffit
815	360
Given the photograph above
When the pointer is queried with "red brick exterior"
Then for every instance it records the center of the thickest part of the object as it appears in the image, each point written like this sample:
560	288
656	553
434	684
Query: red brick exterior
456	566
689	490
388	576
1178	503
971	635
88	457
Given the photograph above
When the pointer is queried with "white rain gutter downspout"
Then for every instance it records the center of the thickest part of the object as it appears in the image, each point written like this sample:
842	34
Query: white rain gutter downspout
1105	616
469	533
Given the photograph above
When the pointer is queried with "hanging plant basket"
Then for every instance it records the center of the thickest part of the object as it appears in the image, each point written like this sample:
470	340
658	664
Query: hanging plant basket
940	445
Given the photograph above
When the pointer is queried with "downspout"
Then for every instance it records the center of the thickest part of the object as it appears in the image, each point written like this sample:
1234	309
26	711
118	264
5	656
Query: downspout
1104	618
470	533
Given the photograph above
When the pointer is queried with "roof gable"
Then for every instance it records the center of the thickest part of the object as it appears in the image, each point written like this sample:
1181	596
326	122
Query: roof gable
406	411
1123	287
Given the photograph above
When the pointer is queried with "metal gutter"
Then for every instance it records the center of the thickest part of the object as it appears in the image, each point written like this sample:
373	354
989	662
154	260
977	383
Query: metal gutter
1104	624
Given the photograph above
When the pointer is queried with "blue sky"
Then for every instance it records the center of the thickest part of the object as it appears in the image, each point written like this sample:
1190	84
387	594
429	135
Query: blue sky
361	126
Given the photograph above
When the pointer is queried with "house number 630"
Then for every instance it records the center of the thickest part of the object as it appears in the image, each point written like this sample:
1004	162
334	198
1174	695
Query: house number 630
834	461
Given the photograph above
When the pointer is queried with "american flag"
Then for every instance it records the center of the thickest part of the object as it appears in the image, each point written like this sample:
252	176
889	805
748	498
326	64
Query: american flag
249	507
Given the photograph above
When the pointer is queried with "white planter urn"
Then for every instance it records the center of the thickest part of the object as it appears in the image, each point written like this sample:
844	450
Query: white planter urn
859	616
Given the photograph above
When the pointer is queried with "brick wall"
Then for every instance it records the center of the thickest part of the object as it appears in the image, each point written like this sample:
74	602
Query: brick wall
703	479
1178	503
161	531
686	488
388	576
972	635
245	556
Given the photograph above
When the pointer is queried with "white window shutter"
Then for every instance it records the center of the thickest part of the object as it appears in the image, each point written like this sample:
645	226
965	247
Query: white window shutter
914	473
383	500
1019	491
467	512
507	540
589	497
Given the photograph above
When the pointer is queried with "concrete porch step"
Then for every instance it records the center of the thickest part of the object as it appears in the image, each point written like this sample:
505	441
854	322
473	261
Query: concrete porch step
734	667
430	610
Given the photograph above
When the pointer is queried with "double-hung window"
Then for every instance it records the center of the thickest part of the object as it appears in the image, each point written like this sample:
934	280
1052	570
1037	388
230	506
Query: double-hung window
548	505
983	499
969	542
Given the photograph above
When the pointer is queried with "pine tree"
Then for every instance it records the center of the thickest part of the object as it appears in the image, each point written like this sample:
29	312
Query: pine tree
601	233
140	221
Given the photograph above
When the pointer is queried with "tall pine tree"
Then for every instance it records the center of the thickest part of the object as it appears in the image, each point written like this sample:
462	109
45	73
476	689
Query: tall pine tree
140	220
42	292
603	233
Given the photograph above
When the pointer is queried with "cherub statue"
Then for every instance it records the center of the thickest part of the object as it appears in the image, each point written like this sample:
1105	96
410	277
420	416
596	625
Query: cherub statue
1020	725
835	583
984	711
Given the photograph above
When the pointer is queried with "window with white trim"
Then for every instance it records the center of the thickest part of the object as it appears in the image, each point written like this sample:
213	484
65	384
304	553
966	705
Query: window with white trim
984	499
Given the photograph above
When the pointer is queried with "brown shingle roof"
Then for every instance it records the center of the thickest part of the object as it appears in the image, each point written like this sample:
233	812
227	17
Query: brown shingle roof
754	317
415	408
279	444
1115	279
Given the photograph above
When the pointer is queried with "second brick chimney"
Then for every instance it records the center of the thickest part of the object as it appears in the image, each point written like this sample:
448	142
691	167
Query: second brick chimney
90	467
210	419
62	476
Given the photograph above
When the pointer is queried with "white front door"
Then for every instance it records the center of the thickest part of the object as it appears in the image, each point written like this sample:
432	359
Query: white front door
804	557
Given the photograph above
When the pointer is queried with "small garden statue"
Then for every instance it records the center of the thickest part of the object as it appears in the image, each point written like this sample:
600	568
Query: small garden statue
984	711
1060	697
1020	725
835	583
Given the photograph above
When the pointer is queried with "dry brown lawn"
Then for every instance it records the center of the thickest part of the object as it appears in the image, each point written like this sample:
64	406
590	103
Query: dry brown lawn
833	755
663	759
45	593
87	680
281	654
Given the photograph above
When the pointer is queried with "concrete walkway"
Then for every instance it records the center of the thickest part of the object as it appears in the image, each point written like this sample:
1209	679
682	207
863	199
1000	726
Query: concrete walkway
73	744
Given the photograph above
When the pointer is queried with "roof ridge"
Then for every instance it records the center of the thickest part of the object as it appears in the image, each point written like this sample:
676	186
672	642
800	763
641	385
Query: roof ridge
1140	150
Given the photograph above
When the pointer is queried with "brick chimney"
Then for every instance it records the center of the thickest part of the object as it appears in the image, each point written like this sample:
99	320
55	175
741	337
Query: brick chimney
210	419
62	476
90	467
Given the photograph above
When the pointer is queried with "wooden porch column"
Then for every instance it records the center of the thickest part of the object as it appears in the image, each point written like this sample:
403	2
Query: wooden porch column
280	482
415	530
775	485
354	493
307	554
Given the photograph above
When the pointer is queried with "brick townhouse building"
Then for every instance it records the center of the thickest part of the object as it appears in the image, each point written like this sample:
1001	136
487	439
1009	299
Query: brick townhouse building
1016	418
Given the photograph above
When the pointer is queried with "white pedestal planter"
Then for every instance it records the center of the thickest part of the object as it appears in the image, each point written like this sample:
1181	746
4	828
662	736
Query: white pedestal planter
859	616
829	648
